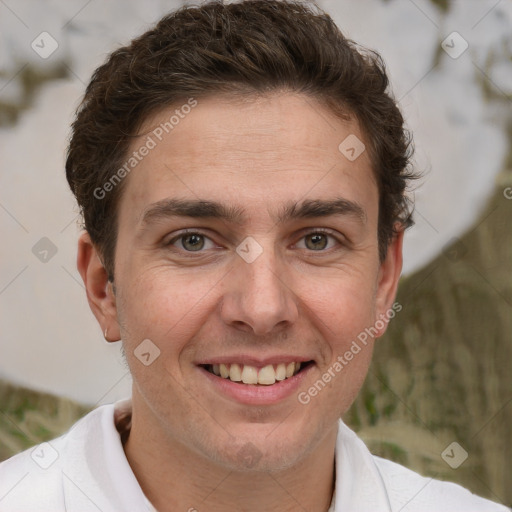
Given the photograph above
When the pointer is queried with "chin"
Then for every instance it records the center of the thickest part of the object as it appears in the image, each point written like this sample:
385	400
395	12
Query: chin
268	447
251	457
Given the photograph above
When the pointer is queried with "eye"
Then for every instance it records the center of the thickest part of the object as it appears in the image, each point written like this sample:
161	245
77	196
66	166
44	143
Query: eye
318	240
192	241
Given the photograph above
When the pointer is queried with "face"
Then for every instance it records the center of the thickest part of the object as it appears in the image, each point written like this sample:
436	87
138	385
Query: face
281	267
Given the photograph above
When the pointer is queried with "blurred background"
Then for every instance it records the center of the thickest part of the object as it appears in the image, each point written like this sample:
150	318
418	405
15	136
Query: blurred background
438	397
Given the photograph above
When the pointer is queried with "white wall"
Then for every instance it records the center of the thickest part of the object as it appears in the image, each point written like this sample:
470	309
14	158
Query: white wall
49	339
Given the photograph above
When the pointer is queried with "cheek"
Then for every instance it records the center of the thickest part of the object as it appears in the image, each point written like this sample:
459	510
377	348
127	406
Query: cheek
161	305
337	383
344	309
345	306
350	320
353	375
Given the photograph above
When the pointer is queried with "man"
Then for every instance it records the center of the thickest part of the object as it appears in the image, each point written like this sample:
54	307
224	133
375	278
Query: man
241	171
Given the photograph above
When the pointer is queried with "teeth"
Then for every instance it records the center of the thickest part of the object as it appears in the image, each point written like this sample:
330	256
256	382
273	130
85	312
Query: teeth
224	372
290	369
266	375
248	374
281	371
235	373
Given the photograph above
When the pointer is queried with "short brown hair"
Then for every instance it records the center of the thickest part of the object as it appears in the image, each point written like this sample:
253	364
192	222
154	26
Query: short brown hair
248	47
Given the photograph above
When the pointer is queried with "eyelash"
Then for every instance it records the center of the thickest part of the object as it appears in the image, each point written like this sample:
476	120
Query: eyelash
322	231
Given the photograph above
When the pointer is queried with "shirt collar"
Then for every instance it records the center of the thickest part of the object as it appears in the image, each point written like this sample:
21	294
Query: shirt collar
359	485
107	475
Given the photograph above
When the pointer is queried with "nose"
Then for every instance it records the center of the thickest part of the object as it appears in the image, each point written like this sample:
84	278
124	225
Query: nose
257	297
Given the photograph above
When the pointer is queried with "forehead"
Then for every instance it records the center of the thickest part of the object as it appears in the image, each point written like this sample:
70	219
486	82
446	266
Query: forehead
247	149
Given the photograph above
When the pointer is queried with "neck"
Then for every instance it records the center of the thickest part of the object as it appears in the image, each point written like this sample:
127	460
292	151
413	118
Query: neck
191	482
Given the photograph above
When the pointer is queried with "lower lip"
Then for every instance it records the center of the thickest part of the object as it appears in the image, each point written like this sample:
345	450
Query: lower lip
254	394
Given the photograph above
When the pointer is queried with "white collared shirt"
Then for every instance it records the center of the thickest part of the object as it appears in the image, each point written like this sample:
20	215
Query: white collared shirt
86	470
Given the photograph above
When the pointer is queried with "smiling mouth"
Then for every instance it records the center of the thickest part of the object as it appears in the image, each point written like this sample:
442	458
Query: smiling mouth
247	374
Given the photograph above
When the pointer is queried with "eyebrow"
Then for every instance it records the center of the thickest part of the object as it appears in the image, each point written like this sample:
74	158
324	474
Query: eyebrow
205	209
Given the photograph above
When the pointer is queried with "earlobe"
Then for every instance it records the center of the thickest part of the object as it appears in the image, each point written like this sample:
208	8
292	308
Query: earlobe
100	293
389	275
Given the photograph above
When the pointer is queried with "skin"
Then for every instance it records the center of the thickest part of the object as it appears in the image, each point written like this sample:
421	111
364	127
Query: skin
293	299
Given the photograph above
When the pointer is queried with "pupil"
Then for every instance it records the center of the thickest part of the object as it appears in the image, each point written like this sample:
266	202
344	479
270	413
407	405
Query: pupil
193	242
319	241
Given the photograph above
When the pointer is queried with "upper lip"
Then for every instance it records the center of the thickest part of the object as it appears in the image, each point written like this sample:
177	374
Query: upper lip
256	361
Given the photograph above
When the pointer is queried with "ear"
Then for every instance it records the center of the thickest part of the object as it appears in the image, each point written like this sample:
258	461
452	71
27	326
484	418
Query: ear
100	293
389	275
